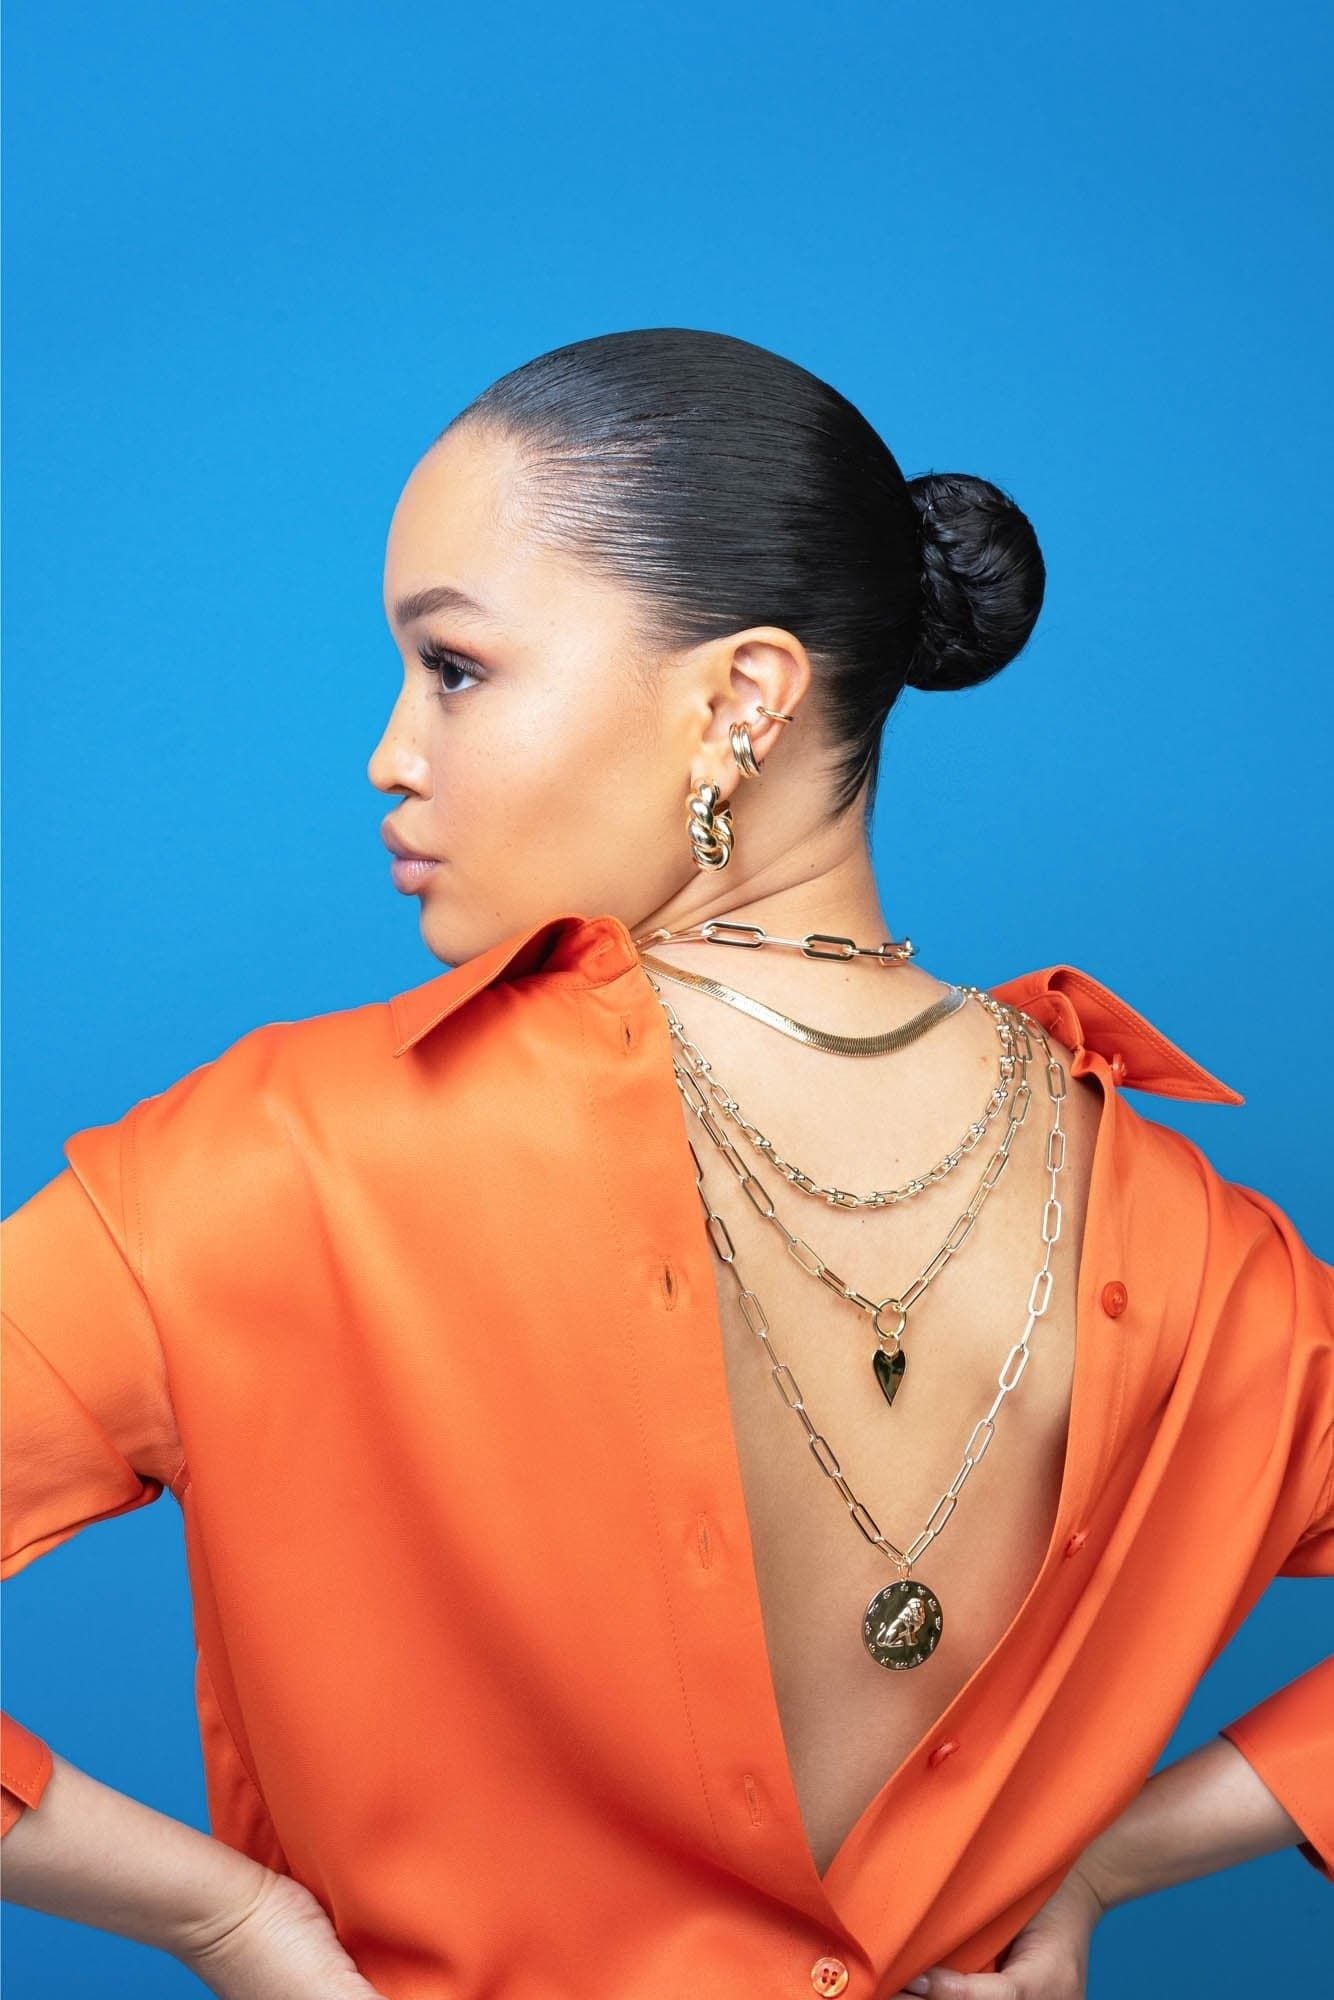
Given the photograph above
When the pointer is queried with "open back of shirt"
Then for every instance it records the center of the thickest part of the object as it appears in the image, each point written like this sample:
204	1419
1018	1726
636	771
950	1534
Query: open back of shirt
481	1659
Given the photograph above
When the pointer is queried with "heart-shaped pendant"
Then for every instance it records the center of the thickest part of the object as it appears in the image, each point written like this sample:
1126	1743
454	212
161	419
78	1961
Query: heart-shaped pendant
889	1370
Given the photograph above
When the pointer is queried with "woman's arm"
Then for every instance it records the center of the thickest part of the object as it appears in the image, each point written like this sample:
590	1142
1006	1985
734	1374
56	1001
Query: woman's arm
1207	1811
98	1857
94	1856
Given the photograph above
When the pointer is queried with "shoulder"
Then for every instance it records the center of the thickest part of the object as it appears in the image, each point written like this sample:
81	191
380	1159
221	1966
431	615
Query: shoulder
1178	1206
221	1134
274	1062
329	1077
1229	1325
1101	1027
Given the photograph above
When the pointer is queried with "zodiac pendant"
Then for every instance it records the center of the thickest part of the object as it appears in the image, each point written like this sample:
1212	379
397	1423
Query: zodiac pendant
901	1625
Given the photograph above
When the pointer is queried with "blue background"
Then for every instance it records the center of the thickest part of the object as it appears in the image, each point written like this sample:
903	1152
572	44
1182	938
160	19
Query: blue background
258	256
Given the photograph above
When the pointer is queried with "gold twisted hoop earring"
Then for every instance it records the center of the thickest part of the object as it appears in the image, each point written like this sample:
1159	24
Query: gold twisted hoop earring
776	713
710	826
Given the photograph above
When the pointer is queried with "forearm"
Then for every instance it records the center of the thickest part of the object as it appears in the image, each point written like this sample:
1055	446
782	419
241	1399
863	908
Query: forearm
1209	1810
95	1856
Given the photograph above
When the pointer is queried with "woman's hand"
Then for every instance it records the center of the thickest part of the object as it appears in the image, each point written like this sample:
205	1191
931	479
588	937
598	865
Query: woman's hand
1049	1958
279	1946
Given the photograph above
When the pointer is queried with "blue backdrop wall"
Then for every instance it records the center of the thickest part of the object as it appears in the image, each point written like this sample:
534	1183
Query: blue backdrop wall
257	256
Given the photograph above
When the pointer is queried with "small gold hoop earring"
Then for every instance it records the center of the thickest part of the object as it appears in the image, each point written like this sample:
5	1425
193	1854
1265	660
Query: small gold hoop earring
739	732
776	714
710	826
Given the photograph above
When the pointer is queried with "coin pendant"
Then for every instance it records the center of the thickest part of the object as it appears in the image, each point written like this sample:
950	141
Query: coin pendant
901	1626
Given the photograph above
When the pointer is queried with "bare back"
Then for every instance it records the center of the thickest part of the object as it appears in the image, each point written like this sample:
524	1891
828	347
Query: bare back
863	1123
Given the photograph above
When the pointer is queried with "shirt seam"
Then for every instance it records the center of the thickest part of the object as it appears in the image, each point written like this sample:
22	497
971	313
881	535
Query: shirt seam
243	1761
1325	1498
129	1172
144	1478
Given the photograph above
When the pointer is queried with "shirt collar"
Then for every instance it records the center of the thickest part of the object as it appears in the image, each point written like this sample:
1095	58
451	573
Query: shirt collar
1087	1016
599	947
1098	1024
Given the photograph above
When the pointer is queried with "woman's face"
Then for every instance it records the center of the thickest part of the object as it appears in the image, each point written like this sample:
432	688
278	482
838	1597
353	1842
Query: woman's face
537	771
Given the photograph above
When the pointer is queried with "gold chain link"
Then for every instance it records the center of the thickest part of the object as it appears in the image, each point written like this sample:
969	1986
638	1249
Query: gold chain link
879	1197
1017	1358
810	1260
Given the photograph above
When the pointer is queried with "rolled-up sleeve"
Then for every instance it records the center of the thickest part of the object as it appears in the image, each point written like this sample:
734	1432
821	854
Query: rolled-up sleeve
1288	1738
87	1428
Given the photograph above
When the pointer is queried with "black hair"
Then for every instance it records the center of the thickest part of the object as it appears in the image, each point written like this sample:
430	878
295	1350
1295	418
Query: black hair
726	486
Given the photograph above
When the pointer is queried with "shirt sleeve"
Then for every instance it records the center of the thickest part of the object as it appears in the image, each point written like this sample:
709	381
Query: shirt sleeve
1288	1738
87	1428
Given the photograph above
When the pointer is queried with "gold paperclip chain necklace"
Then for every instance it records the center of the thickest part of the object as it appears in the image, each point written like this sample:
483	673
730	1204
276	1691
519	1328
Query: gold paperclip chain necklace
815	944
902	1623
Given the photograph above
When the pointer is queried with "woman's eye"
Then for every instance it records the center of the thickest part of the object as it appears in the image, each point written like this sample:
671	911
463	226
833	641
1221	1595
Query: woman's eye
440	661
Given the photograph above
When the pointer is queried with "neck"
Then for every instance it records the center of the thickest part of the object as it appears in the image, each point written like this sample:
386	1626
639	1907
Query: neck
839	899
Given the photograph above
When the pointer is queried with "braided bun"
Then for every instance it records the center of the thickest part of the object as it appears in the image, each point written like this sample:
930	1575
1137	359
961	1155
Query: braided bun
983	580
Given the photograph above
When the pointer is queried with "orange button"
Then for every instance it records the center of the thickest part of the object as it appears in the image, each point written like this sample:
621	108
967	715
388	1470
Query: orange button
943	1750
1118	1066
1114	1298
829	1975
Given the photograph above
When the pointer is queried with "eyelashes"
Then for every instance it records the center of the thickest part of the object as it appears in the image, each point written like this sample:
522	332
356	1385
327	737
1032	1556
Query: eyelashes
439	661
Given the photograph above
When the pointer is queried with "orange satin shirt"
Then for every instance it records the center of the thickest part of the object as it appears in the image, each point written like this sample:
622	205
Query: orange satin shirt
438	1384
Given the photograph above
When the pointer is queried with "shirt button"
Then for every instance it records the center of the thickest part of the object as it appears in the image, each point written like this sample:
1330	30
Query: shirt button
943	1750
1118	1066
1114	1298
829	1975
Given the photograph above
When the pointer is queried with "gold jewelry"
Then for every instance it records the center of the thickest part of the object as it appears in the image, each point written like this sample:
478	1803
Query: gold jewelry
739	735
883	1043
709	823
888	1360
743	749
838	1197
815	944
710	826
902	1623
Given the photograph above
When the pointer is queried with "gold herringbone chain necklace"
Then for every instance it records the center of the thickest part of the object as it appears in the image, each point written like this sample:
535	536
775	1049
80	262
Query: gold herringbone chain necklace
878	1197
883	1043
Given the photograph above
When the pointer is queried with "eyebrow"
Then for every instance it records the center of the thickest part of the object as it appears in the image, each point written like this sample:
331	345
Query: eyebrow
439	597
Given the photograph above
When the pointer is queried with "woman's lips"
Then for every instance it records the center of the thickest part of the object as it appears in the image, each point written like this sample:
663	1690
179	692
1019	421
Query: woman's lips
408	874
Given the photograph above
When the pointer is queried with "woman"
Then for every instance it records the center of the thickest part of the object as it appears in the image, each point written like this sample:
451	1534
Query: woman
542	1649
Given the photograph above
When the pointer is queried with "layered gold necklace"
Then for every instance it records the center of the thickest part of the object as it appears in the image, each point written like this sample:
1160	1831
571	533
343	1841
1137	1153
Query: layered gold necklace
902	1624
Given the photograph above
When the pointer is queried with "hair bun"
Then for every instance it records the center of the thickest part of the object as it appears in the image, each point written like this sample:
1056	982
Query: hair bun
983	580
